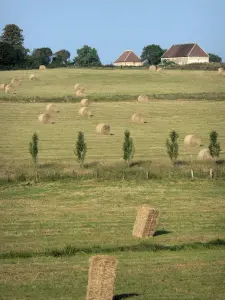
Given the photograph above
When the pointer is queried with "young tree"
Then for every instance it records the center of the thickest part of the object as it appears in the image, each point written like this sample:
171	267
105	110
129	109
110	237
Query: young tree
33	147
152	54
214	58
87	57
214	146
172	146
81	148
128	147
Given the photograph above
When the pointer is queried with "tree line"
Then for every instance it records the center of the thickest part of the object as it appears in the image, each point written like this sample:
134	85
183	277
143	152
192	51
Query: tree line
13	54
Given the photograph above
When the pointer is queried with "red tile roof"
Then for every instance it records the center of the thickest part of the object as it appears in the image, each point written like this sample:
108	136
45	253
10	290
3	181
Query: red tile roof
185	50
128	56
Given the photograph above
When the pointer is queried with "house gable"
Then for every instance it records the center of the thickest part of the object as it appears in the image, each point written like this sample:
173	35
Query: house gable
128	56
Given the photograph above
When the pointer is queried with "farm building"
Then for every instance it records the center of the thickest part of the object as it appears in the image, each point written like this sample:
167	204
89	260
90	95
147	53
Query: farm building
183	54
128	58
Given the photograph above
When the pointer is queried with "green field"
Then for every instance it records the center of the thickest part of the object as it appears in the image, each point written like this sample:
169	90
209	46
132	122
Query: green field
50	229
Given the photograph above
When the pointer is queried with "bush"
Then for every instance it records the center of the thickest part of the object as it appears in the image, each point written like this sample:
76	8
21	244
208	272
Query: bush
196	66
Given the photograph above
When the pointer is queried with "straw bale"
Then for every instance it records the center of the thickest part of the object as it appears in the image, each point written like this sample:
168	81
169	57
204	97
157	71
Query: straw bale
78	86
80	93
152	68
9	89
33	77
143	99
220	70
15	82
101	277
84	112
85	102
146	222
204	154
2	86
43	118
159	69
103	129
137	118
192	140
52	108
42	67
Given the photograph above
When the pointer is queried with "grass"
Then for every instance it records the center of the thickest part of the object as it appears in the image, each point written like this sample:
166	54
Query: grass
49	229
116	85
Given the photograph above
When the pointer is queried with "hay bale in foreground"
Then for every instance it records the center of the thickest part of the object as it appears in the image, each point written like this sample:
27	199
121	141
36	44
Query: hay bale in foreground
51	108
85	103
42	67
15	82
80	93
137	118
78	87
143	99
101	277
33	77
2	86
152	68
192	140
146	222
9	89
84	112
44	118
220	70
158	69
204	154
103	129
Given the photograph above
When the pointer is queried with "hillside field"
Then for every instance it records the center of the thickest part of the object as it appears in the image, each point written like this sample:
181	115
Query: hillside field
50	229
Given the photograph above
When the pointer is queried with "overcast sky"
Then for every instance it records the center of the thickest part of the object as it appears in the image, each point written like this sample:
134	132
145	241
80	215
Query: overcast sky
112	26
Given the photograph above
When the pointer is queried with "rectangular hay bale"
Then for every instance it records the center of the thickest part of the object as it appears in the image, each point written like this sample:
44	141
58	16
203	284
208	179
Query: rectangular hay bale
146	222
101	277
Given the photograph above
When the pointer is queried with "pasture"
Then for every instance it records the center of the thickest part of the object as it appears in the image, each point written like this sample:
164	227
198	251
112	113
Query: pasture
50	229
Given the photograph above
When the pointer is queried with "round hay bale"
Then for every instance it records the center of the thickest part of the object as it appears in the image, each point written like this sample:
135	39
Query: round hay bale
143	99
152	68
15	82
85	103
103	129
33	77
220	70
9	89
2	86
192	140
204	154
42	67
43	118
77	87
137	118
80	93
159	69
84	112
51	108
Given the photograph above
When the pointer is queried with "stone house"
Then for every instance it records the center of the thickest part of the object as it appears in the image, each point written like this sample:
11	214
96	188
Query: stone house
128	58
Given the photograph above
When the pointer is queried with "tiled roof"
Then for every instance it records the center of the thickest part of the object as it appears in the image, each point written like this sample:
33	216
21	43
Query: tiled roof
128	56
184	50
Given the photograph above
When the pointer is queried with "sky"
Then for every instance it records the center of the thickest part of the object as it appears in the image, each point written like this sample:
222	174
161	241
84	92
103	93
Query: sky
117	25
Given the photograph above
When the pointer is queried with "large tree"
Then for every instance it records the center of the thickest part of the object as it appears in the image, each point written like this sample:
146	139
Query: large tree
62	55
12	34
214	58
42	55
87	57
152	54
7	54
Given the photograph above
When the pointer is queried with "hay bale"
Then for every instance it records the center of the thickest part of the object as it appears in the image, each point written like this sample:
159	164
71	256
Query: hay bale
9	89
146	222
103	129
204	154
85	102
80	93
84	112
143	99
42	67
220	70
137	118
33	77
192	140
52	108
2	86
77	87
44	118
101	277
159	69
15	82
152	68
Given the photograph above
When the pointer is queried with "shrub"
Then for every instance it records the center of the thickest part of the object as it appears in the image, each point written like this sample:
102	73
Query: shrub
172	146
214	146
81	148
128	147
33	147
